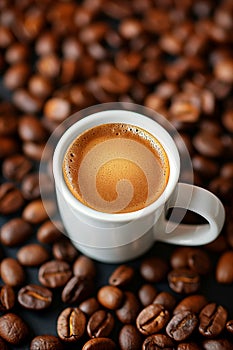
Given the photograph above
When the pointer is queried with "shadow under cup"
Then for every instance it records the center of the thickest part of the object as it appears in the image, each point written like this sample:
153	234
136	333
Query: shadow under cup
104	236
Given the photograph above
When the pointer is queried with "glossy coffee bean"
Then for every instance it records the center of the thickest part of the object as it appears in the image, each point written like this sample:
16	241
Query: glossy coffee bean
153	269
99	344
166	299
35	212
199	261
12	272
152	319
183	281
40	86
128	311
100	324
15	231
193	303
31	129
32	255
14	335
121	276
182	325
64	250
45	342
212	320
54	273
224	273
84	267
30	186
229	326
110	297
16	167
49	232
26	102
189	346
158	341
77	289
35	297
147	293
7	298
89	306
130	338
8	146
11	199
33	150
71	324
218	344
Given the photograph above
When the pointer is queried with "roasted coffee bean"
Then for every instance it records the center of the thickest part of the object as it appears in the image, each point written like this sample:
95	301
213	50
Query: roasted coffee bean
35	212
11	199
223	70
46	342
229	326
46	43
7	298
71	324
199	261
110	297
49	66
152	319
208	145
182	325
8	124
31	129
219	245
16	52
26	102
193	303
217	344
16	76
130	308
227	120
13	329
121	276
183	280
130	338
204	166
84	267
48	232
224	273
213	319
8	146
32	255
99	344
35	297
147	293
189	346
54	273
89	306
157	342
166	299
57	109
40	86
114	81
33	150
100	324
153	269
12	272
3	345
15	231
64	250
30	186
179	257
16	167
77	289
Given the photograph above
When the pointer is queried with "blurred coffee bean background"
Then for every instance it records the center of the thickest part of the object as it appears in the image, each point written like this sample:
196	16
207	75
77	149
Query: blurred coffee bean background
58	57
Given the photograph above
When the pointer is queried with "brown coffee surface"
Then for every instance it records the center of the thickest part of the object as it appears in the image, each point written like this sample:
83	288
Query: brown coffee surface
116	168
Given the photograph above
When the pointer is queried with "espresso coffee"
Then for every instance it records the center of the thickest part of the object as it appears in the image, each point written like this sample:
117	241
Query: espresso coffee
116	168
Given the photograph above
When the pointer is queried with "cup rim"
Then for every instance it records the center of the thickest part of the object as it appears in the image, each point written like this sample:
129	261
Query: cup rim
93	120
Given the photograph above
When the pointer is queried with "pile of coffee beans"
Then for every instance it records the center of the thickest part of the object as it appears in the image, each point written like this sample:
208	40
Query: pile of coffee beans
56	58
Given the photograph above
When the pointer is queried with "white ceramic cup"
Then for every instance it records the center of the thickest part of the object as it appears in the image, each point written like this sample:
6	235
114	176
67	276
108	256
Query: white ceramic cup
116	238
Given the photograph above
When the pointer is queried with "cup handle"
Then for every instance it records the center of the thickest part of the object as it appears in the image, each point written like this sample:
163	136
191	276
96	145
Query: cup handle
200	201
